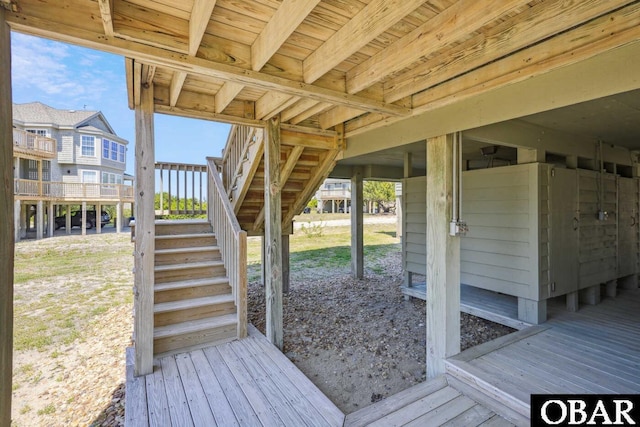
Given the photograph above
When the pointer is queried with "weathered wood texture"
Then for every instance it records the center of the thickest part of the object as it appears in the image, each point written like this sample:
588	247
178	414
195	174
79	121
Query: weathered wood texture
145	234
601	340
443	265
357	236
245	382
273	234
6	225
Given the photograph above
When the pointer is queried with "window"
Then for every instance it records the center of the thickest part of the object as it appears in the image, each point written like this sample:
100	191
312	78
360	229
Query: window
111	178
39	132
113	150
88	146
89	176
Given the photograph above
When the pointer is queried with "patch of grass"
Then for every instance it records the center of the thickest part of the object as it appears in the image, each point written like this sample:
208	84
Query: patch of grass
47	410
25	409
331	250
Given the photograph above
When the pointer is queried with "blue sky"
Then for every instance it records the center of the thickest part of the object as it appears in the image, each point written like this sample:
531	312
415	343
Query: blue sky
70	77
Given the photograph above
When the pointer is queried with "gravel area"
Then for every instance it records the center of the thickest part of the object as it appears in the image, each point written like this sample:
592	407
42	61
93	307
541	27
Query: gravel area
359	341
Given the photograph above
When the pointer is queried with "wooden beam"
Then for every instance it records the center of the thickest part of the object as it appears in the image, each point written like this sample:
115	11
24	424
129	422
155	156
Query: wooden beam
532	25
272	103
137	82
106	11
200	16
553	67
285	264
195	65
128	68
443	29
338	115
301	139
443	259
357	241
373	20
176	87
226	94
317	108
299	107
7	238
282	24
145	234
273	234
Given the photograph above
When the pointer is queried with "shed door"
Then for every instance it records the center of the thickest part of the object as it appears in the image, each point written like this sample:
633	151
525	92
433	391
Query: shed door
627	226
563	236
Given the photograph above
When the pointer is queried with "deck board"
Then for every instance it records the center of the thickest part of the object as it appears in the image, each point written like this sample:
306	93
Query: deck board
593	350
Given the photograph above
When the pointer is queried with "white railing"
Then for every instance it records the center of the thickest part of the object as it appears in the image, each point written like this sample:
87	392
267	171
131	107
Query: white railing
31	143
232	241
72	190
334	194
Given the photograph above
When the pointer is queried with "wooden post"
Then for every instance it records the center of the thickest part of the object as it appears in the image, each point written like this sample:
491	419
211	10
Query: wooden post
6	225
39	220
68	220
357	241
145	234
119	217
285	264
17	210
51	219
263	259
98	223
443	259
273	233
83	223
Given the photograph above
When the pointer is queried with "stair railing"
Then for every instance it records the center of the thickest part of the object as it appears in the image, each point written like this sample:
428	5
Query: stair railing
239	139
232	241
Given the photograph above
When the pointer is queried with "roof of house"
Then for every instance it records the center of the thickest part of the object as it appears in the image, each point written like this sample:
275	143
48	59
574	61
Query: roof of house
37	112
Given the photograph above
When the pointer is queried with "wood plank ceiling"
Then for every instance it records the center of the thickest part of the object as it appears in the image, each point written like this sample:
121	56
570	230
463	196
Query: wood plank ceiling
324	63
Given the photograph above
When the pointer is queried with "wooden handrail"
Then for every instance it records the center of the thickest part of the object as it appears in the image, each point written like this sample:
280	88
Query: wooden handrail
37	144
72	190
232	242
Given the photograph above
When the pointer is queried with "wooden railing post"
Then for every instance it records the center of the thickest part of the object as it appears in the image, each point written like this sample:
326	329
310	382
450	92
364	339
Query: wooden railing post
145	234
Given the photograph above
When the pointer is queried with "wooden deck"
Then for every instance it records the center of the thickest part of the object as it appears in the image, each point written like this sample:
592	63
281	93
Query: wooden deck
593	350
499	308
243	383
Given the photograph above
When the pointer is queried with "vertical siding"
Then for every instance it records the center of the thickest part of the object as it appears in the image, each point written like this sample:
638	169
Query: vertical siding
499	252
543	228
414	200
598	239
66	150
628	239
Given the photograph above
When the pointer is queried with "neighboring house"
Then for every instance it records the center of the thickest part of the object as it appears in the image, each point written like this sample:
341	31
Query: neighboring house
65	157
334	195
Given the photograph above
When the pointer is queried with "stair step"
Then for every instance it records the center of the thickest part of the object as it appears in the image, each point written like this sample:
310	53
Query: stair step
187	250
176	267
166	227
187	255
195	283
195	288
194	334
167	307
174	241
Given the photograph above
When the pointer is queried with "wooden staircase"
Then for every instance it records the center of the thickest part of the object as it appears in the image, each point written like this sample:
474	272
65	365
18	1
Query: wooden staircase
193	303
305	161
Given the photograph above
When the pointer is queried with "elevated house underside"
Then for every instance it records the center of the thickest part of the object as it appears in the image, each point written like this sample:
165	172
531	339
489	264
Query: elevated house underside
417	91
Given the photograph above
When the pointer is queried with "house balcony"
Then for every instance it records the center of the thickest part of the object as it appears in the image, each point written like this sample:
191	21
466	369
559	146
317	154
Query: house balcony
27	189
32	145
337	194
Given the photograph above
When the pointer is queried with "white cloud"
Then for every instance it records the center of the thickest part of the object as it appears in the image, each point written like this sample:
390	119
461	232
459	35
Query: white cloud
61	75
